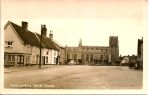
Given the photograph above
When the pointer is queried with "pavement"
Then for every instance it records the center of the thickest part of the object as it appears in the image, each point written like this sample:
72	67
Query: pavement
24	68
74	77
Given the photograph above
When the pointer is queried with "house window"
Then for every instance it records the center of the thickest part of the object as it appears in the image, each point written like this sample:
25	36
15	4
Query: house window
28	59
9	44
5	58
9	58
47	52
12	58
54	60
20	59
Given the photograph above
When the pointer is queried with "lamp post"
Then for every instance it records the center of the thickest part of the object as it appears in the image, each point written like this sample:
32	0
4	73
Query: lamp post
40	46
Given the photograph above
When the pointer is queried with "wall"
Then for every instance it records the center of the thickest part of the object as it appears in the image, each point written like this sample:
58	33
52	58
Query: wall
54	54
47	53
62	56
34	53
11	35
83	52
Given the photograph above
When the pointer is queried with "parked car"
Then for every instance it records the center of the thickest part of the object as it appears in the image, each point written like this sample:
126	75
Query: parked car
72	62
125	62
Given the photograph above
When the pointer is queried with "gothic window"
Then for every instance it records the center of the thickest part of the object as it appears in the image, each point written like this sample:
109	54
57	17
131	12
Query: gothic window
101	57
87	57
82	57
107	57
75	56
91	57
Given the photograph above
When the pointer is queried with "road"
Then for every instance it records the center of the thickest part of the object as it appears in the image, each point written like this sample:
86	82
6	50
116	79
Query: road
75	77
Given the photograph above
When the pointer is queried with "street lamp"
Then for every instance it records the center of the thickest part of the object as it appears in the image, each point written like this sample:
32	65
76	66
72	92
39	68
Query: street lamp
41	45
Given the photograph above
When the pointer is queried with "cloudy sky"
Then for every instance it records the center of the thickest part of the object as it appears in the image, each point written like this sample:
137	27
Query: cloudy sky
91	20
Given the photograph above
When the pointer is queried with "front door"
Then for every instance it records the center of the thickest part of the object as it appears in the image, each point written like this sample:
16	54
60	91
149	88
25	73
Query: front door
20	60
43	59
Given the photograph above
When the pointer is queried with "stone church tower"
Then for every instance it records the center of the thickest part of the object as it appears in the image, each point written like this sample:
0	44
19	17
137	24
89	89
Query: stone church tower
114	47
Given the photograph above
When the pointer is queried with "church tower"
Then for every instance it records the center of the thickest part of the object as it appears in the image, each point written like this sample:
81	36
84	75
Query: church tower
80	42
114	47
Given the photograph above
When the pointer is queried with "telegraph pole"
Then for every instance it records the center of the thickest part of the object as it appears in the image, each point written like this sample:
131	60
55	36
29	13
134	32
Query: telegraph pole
40	46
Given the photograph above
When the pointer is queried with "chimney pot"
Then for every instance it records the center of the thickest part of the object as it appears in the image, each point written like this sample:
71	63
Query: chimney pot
25	25
51	35
44	30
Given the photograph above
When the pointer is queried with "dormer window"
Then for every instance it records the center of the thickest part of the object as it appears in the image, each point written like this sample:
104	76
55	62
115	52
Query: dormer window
9	43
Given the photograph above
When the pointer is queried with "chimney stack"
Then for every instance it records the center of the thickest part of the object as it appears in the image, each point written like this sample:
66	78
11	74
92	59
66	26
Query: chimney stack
44	30
51	35
25	25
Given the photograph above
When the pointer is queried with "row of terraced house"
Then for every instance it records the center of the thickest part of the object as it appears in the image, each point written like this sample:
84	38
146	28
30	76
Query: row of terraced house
22	46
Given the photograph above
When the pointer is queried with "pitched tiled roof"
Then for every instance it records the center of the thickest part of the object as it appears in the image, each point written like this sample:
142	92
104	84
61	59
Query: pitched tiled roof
48	43
26	36
32	39
59	45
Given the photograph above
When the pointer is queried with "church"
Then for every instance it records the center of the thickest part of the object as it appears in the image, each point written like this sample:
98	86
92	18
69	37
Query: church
101	55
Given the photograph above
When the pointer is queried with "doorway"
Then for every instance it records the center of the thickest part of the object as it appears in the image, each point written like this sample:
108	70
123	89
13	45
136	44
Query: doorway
20	60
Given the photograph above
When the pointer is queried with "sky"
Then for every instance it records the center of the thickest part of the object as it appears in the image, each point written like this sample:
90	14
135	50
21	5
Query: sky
91	20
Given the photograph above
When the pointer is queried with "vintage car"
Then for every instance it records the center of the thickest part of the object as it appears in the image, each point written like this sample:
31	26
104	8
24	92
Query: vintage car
125	62
72	62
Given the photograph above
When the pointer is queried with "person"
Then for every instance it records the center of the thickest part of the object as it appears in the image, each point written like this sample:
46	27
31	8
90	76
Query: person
57	61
